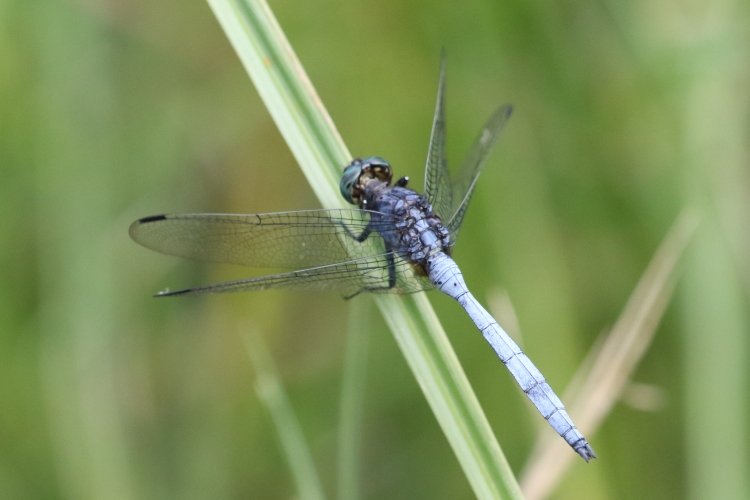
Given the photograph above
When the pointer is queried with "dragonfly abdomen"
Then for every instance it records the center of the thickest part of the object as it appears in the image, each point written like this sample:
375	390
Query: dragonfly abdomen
446	275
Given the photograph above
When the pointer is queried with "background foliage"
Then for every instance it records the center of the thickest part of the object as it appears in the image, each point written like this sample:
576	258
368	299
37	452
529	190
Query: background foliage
625	113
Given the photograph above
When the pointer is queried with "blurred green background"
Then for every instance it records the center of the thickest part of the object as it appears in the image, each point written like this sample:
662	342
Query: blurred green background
625	112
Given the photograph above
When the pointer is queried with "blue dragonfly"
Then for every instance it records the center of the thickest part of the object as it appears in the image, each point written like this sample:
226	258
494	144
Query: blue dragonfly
397	241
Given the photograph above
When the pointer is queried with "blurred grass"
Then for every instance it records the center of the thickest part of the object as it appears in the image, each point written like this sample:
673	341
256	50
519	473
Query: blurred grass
270	390
353	397
605	374
114	110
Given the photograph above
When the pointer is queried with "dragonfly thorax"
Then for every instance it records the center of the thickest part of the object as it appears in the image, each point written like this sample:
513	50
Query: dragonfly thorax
404	219
419	233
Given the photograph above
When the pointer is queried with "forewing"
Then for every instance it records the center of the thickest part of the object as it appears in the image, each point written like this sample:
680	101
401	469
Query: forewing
302	239
465	179
437	182
368	274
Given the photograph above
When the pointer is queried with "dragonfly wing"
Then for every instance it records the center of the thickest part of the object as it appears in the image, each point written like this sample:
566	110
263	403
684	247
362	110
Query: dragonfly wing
309	238
465	179
437	182
370	274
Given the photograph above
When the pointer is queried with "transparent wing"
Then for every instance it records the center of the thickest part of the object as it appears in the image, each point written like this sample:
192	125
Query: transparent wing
309	238
437	182
465	179
370	274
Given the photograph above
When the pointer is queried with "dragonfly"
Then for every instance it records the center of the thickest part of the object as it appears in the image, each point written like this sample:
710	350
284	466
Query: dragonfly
396	241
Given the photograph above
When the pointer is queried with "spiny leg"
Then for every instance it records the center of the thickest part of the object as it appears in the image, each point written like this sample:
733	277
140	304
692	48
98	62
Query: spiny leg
391	265
363	236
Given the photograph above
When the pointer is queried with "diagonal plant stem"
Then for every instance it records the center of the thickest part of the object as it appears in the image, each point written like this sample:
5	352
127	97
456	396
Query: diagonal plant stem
605	373
321	153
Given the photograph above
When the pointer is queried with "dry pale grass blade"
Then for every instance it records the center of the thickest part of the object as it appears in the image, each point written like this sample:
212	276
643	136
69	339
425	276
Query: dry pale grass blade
644	397
606	371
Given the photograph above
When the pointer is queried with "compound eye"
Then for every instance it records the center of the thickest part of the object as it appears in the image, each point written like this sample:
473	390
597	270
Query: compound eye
376	161
349	179
379	168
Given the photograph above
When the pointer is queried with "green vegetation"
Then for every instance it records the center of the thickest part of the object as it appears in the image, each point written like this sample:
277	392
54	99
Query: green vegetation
625	115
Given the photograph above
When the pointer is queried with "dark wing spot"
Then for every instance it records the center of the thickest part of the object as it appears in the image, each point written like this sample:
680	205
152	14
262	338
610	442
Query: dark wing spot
153	218
172	294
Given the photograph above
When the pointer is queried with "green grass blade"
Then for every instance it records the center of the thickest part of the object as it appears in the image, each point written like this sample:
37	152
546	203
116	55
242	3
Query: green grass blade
271	392
352	399
430	356
317	146
77	303
716	348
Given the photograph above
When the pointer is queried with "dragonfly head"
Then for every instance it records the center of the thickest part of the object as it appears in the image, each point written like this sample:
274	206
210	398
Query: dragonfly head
359	173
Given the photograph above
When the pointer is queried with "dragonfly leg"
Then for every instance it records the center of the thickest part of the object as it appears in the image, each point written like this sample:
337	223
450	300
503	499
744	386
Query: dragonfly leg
347	297
362	236
391	277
